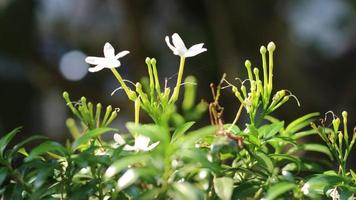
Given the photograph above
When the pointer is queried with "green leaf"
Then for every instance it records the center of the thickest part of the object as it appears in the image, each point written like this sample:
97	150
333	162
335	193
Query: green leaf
287	157
45	147
302	134
301	122
305	166
149	194
268	131
233	128
18	146
3	174
90	135
185	191
319	183
153	131
264	160
181	130
245	190
312	147
123	163
224	187
279	189
4	141
192	137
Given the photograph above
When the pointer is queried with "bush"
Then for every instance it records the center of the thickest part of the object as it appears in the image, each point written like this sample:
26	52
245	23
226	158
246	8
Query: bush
172	158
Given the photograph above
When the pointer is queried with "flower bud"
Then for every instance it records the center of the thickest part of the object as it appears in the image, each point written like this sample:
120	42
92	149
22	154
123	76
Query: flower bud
148	60
336	124
153	61
344	116
271	46
263	50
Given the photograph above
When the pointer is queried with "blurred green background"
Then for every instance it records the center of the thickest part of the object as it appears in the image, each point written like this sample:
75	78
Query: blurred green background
43	44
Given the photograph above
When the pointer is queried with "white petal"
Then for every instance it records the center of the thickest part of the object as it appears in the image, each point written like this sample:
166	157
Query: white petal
130	148
169	44
152	146
94	60
121	54
109	51
96	68
195	50
111	171
111	63
128	178
118	139
178	42
142	142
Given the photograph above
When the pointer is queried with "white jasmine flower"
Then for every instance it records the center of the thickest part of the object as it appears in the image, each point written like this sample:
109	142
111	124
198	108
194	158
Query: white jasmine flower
128	178
334	194
180	49
305	189
109	61
118	139
141	143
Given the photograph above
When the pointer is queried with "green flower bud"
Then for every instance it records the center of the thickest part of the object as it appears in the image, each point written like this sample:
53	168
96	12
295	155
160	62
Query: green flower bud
106	116
263	50
97	114
336	124
248	67
346	135
271	46
148	60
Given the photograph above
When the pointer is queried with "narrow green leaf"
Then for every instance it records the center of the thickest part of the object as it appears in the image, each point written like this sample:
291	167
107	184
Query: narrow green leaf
305	166
279	189
268	131
302	134
4	141
90	135
264	160
224	187
192	137
3	174
287	157
312	147
45	147
318	183
18	146
181	130
301	122
233	128
154	132
185	191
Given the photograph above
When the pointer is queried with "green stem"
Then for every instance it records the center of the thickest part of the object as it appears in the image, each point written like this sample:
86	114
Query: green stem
175	94
137	113
18	178
130	94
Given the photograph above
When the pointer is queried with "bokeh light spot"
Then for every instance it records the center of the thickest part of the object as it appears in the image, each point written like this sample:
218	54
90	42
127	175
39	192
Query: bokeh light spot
72	65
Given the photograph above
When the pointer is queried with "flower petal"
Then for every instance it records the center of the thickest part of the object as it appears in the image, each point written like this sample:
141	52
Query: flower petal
96	68
169	44
141	142
94	60
130	148
178	42
109	51
195	50
152	146
112	63
128	178
118	139
121	54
